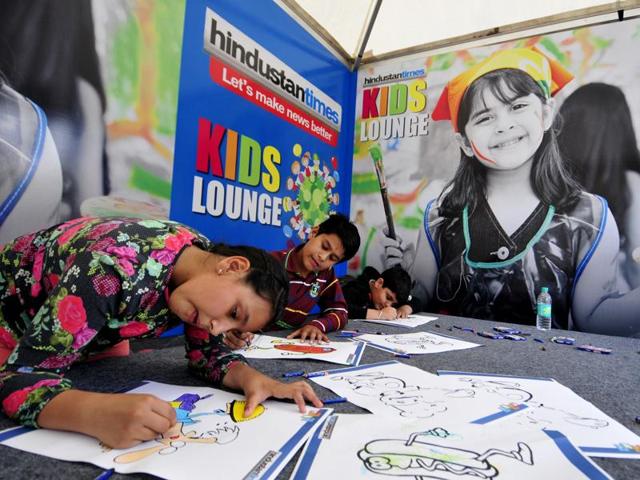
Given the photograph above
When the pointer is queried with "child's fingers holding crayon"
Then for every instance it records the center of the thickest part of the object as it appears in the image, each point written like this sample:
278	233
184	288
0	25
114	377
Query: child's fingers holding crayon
236	339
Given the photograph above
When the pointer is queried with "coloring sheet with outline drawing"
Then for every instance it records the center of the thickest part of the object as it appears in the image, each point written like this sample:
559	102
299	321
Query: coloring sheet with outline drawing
412	321
554	406
269	347
370	447
404	392
211	435
415	343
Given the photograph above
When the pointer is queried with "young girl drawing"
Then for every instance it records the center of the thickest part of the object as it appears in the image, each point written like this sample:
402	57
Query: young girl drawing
78	288
512	220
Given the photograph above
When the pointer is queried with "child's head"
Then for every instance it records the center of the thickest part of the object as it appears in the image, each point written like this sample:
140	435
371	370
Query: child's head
238	287
598	143
502	111
391	289
334	240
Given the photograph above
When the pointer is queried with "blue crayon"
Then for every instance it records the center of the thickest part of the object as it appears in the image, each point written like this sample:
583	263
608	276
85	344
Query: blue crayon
106	474
403	355
334	400
539	340
293	374
316	374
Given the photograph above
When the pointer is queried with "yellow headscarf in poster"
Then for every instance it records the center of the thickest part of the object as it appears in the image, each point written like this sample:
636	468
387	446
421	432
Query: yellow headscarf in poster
548	73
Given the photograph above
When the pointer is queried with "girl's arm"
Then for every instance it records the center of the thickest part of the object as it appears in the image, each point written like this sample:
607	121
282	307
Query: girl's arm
209	357
597	305
117	420
258	387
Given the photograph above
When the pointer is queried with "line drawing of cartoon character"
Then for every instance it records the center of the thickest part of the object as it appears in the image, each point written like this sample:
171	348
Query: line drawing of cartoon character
371	384
176	438
543	414
428	459
409	400
504	388
419	342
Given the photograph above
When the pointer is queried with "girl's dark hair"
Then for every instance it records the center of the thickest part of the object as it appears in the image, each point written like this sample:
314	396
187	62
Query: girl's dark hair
598	143
550	180
266	275
346	231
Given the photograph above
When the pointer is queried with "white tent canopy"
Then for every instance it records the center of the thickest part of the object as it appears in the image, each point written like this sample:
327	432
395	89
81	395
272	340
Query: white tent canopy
407	25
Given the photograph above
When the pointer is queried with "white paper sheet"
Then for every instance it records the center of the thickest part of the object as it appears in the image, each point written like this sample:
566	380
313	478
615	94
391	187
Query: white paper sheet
551	405
211	436
415	343
411	321
265	346
405	392
366	446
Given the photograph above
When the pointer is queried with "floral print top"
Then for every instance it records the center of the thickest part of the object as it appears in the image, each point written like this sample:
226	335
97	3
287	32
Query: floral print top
80	287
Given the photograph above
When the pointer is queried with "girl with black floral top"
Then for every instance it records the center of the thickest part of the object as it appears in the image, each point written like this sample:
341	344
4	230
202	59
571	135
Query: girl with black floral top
78	288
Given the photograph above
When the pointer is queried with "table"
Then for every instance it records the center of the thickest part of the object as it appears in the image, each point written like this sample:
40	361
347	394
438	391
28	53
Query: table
611	382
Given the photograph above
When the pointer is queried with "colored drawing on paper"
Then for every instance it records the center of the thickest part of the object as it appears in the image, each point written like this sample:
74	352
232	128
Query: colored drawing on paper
177	438
426	458
310	187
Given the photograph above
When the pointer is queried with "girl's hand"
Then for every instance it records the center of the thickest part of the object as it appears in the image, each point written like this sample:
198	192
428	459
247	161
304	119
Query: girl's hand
388	313
237	339
309	332
117	420
258	387
404	311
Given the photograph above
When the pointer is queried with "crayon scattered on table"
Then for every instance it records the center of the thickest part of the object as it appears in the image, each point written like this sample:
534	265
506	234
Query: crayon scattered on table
298	373
539	340
491	335
334	400
402	355
347	334
591	348
316	374
106	474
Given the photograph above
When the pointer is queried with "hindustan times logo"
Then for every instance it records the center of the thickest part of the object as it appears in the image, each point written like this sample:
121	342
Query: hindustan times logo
392	77
254	60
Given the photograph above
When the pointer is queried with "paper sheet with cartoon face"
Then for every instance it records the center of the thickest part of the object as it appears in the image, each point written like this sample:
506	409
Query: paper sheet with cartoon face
412	321
211	435
415	343
372	447
405	392
552	405
265	346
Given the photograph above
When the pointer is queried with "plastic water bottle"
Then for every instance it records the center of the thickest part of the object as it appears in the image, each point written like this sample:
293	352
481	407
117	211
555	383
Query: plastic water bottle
543	310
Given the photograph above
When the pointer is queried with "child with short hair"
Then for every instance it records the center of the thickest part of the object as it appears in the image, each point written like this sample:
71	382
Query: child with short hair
312	282
376	296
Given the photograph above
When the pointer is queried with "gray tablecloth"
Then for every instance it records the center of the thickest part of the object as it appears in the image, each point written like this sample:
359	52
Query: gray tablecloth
611	382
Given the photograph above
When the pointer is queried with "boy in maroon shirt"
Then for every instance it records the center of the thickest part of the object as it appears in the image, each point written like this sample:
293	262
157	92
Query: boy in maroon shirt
312	282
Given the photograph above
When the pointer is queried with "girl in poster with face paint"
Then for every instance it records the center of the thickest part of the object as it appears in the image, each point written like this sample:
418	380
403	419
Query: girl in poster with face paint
513	220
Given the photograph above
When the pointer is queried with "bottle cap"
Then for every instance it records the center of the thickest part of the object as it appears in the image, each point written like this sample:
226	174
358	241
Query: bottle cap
545	289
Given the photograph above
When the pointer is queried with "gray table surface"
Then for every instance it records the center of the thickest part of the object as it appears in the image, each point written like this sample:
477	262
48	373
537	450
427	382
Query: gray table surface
610	382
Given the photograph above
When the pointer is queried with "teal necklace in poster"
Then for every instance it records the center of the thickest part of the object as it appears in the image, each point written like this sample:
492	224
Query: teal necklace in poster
311	188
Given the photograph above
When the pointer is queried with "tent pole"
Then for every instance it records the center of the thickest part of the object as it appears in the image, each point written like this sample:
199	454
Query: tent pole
365	37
